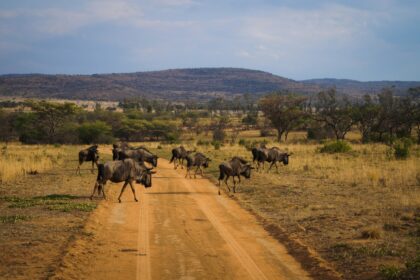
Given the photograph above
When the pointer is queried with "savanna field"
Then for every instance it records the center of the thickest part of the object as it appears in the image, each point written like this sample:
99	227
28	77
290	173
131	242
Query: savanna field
357	211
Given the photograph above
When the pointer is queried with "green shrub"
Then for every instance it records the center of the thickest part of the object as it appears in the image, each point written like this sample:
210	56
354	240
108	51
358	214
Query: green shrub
319	133
402	148
336	147
95	132
219	135
242	142
216	145
202	143
390	272
265	132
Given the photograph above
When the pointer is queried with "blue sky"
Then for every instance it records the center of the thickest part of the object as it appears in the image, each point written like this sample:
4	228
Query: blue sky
299	39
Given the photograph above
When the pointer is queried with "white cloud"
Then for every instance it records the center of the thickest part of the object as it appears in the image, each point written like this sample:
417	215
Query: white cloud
291	26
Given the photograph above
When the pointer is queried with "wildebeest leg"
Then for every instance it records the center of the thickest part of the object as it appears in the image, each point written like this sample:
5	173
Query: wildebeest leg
226	182
103	191
94	190
78	170
93	162
182	163
277	168
122	190
202	171
196	170
175	161
234	184
134	192
271	165
188	172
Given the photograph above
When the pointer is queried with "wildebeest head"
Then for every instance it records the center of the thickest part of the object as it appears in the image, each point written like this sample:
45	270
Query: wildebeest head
285	158
206	162
154	160
115	153
145	177
93	154
246	172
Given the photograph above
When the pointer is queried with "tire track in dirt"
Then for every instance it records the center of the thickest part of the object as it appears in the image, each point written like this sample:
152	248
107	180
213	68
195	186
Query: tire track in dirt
143	248
180	229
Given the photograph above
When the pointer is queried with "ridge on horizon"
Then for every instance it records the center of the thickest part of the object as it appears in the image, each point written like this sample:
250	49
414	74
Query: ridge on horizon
179	84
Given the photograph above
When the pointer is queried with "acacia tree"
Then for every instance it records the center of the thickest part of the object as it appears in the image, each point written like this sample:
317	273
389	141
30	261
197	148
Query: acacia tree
285	112
51	116
336	113
366	114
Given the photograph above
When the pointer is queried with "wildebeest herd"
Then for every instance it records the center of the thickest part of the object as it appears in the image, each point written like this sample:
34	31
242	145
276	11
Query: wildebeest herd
129	165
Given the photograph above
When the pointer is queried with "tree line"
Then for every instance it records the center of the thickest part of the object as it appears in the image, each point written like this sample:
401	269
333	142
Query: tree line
49	123
328	114
383	117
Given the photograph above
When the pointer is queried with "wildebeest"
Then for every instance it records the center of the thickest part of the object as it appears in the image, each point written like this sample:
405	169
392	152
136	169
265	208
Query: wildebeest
272	155
126	171
238	167
178	156
198	160
89	154
139	154
116	148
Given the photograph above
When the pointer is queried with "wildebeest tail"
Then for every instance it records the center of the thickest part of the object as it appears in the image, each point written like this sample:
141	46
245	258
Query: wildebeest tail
222	173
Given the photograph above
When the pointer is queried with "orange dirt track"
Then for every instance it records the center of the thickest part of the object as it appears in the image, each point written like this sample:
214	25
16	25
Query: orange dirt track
179	229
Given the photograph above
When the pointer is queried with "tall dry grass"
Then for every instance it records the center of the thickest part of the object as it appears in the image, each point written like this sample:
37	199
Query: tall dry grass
18	160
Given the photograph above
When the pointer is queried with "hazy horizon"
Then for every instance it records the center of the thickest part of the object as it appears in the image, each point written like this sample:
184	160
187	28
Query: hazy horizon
372	40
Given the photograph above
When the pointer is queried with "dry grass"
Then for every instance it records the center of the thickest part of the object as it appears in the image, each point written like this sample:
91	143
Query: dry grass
17	160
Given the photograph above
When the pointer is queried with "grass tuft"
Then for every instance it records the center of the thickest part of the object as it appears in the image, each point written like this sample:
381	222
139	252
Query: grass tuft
12	219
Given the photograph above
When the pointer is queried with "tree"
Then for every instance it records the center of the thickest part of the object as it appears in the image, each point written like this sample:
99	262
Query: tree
334	112
51	116
285	112
366	115
96	132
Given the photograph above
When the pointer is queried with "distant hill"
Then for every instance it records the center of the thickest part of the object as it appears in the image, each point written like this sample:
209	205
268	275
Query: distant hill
353	87
177	84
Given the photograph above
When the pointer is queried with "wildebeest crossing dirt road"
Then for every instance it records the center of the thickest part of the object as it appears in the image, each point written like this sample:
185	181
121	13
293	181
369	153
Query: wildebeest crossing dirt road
179	229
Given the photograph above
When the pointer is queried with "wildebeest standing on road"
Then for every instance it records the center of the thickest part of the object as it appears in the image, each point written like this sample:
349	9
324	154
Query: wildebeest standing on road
199	160
235	167
126	171
140	154
178	156
89	154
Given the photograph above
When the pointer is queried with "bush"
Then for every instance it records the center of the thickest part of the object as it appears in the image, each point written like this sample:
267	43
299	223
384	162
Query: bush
95	132
319	133
265	132
202	143
219	135
402	148
216	145
336	147
242	142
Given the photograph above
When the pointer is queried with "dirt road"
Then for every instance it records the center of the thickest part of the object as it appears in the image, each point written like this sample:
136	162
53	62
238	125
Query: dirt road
180	229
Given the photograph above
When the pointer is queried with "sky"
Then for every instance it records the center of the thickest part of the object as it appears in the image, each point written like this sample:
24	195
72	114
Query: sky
297	39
